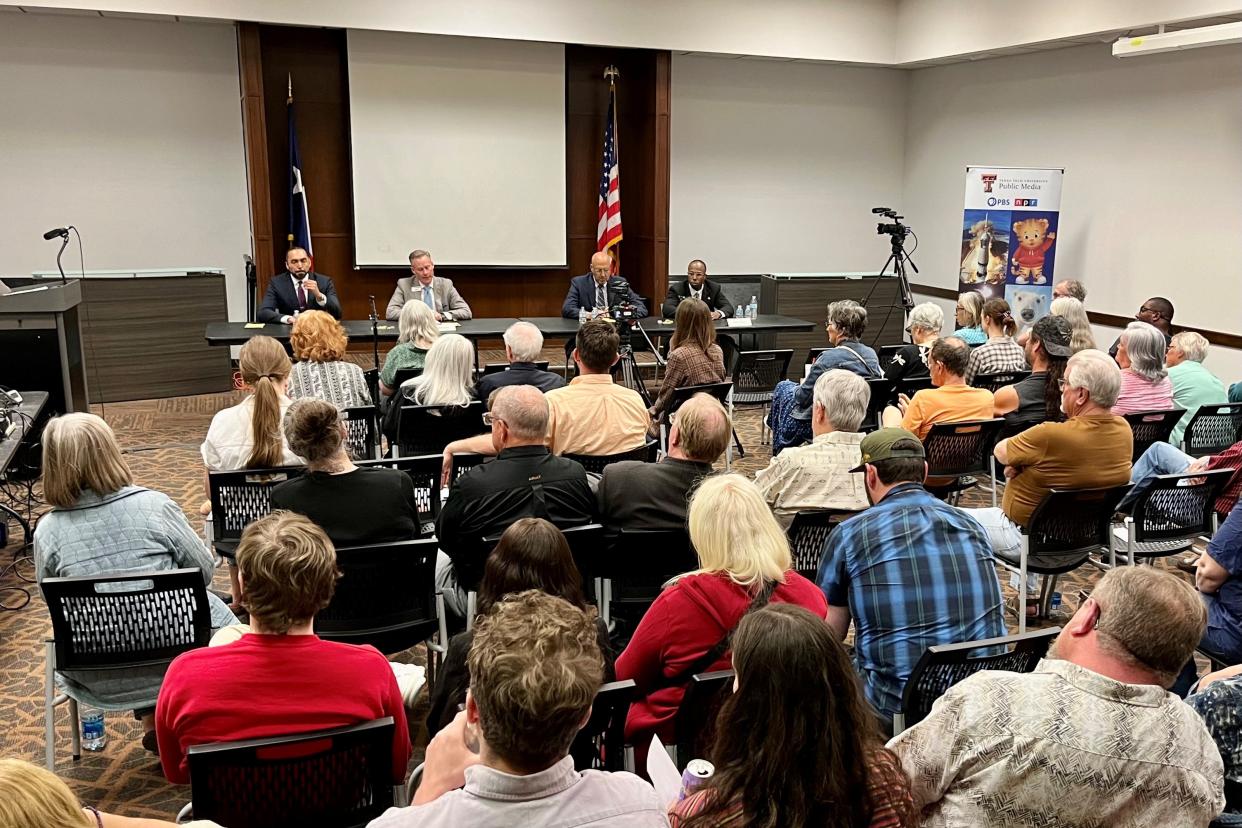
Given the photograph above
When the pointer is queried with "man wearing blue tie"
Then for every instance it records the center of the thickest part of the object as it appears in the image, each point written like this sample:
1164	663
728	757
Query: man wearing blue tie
439	294
589	291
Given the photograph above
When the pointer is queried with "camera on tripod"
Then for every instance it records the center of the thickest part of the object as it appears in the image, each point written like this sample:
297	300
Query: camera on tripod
897	230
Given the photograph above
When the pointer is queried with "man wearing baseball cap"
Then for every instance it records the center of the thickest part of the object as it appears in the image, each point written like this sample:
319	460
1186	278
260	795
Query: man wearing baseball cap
911	571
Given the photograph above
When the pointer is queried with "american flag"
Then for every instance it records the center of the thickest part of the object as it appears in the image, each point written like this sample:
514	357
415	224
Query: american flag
608	230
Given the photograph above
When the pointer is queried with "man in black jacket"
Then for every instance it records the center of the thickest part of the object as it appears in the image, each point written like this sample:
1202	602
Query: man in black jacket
523	344
698	286
298	289
524	480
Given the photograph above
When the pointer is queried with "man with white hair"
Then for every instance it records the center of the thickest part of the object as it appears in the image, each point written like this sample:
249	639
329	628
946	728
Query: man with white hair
1091	449
817	476
523	344
1193	385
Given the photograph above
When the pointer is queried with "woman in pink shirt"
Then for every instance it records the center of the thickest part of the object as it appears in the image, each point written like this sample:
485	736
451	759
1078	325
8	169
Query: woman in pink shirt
1145	384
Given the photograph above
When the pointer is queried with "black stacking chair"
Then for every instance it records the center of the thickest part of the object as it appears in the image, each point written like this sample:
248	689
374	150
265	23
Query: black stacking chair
403	375
424	472
996	381
755	375
632	567
464	462
807	533
118	622
362	425
600	744
238	498
645	453
498	367
1169	516
695	724
1213	428
427	429
812	354
943	666
338	778
960	450
722	391
885	353
1150	427
882	393
912	385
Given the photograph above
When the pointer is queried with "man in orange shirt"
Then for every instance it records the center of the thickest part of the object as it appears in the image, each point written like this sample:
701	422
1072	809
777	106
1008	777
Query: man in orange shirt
950	401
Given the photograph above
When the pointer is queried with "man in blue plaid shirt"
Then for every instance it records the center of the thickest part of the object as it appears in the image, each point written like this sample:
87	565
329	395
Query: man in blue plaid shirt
912	571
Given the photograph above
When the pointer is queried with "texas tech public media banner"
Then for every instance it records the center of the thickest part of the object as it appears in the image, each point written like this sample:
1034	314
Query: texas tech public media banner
1009	237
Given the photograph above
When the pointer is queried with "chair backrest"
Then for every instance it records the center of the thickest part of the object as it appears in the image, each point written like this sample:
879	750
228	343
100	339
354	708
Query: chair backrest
943	666
719	390
403	375
600	744
113	621
498	367
1214	428
584	541
238	498
912	385
1179	506
424	472
758	372
463	462
638	563
807	533
645	453
961	448
336	778
812	354
882	393
996	381
386	596
427	429
1150	427
695	725
885	353
1074	522
362	431
371	377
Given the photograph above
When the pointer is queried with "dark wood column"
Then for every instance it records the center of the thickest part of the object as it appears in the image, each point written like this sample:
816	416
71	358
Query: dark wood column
254	129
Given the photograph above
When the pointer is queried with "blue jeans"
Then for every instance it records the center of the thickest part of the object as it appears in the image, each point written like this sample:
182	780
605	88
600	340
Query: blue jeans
1160	459
786	431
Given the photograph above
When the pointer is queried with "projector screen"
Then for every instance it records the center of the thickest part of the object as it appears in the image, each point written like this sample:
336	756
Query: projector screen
458	147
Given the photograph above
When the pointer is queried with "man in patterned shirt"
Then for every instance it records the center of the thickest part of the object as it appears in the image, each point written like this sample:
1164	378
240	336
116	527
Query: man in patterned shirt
1091	738
911	570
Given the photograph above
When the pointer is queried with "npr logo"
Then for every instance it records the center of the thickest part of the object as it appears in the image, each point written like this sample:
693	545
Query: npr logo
1026	202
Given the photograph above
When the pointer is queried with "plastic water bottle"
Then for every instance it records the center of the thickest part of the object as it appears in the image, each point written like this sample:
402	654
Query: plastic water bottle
752	310
93	736
740	313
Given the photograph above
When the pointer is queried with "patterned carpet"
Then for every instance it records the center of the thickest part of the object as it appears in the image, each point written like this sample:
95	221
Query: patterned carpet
161	439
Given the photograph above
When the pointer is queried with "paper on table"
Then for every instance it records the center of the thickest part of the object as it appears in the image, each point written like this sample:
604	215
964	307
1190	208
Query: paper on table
254	324
448	327
662	772
735	322
383	327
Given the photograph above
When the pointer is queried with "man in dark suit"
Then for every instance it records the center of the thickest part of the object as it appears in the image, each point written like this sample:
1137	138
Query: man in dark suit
654	496
298	289
698	286
590	290
523	344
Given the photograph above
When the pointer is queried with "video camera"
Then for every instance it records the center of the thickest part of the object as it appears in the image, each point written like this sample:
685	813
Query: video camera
897	230
621	309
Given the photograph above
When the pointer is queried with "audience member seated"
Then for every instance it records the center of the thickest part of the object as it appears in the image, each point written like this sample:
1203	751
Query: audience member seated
532	554
1217	700
1156	311
1193	385
796	742
912	571
319	344
694	357
1037	398
32	797
354	506
951	400
1000	354
1145	383
744	563
970	318
1218	577
1090	738
634	495
1071	288
1091	449
447	380
279	678
818	476
790	415
417	331
1235	392
523	345
535	667
926	320
1073	312
102	524
1162	458
525	480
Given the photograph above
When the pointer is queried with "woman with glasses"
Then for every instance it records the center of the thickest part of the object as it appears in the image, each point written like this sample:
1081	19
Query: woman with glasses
970	318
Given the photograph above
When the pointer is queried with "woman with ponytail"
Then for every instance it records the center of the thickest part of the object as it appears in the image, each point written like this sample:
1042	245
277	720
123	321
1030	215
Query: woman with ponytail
999	354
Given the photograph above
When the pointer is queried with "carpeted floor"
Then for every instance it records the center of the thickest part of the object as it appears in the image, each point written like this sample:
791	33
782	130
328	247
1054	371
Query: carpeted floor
161	440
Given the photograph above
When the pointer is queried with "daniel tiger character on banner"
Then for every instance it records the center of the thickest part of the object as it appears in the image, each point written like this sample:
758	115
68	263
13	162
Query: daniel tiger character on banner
1034	241
976	264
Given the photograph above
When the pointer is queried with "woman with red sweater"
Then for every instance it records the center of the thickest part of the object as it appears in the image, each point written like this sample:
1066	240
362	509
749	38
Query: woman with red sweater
744	563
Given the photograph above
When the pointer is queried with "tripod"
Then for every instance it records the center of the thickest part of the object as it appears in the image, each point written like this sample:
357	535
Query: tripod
631	376
897	259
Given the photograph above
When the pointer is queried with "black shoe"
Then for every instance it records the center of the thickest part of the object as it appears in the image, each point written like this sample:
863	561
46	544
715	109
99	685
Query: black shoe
150	743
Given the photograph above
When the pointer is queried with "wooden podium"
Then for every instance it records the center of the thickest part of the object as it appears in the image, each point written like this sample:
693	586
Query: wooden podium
42	343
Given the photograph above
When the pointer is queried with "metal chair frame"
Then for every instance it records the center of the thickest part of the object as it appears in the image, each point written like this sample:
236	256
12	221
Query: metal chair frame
1169	516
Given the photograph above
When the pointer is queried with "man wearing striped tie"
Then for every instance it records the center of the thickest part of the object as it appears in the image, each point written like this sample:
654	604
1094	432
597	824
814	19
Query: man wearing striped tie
589	292
425	285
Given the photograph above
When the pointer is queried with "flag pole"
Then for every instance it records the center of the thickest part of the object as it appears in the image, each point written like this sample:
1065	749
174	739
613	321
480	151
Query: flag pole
611	73
289	103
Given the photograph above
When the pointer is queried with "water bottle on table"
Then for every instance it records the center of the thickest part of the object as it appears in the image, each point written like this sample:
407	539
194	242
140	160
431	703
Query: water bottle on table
740	313
752	310
93	736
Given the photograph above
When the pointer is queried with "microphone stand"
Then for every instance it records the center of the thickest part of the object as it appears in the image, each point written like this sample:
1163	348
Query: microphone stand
374	334
64	242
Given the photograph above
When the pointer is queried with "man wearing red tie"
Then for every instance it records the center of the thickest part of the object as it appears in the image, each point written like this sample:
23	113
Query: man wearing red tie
298	289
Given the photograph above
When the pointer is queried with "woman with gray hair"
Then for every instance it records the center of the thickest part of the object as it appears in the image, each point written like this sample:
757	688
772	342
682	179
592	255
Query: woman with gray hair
924	326
1193	385
417	331
790	417
1145	385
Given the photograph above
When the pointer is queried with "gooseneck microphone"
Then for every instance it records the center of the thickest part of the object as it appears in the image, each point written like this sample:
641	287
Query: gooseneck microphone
57	231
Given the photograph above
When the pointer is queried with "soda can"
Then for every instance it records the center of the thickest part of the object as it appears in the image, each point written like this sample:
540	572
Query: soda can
697	772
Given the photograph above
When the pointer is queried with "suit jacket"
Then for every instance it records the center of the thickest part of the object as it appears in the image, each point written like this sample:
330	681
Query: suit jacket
582	295
449	303
519	373
282	300
713	295
648	496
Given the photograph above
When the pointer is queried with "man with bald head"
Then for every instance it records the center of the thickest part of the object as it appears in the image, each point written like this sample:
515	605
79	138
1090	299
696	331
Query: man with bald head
524	480
698	286
589	292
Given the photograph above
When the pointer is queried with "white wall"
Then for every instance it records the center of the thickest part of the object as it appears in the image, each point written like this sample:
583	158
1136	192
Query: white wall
130	130
775	166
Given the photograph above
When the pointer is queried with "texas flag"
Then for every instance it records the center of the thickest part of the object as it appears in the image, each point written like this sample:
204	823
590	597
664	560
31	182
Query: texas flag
299	216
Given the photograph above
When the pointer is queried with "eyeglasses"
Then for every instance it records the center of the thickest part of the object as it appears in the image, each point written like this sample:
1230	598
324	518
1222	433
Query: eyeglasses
1062	384
489	418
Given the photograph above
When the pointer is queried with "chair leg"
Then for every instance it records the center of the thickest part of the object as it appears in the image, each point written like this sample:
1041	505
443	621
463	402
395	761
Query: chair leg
1022	585
49	707
472	599
76	732
1045	596
992	477
741	452
1130	542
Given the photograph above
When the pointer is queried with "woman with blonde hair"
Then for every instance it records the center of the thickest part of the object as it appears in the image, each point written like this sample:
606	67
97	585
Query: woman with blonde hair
32	797
417	331
1073	312
448	375
102	524
744	563
694	357
319	344
970	318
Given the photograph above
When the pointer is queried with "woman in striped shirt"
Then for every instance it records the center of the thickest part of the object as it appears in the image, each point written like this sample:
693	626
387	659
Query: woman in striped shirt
796	743
1145	384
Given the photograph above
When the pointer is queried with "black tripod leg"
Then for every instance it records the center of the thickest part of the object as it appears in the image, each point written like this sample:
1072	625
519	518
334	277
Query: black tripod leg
5	510
741	452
